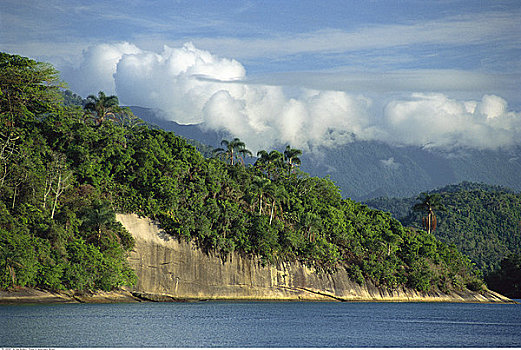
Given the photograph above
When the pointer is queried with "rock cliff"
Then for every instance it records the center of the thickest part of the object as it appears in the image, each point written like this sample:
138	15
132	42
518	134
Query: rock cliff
169	269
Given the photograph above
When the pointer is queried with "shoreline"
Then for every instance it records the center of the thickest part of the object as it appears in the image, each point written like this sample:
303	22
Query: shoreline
26	296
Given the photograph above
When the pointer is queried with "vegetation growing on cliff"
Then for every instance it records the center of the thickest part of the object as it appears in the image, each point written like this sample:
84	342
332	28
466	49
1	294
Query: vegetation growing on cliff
64	175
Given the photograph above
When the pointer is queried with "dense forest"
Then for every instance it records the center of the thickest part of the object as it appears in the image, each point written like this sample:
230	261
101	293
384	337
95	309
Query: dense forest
482	221
66	169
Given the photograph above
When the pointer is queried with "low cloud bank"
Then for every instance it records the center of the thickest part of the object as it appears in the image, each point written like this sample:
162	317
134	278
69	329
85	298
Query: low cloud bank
194	86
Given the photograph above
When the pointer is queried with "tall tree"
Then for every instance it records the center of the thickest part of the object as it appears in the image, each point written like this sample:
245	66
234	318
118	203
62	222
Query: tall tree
99	216
27	88
278	195
233	150
428	203
270	162
102	107
260	186
291	156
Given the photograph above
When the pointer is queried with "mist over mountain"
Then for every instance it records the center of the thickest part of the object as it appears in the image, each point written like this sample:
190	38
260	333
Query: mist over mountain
370	169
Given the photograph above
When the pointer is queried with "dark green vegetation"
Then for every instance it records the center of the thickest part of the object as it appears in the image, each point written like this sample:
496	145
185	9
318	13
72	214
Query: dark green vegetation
64	174
482	221
507	278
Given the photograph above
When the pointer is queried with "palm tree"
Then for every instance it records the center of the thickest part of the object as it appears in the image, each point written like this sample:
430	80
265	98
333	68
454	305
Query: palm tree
278	195
101	107
260	185
99	216
233	150
291	156
269	161
428	204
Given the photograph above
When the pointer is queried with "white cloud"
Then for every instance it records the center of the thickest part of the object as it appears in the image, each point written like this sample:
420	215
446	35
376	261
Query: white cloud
194	86
492	106
173	80
435	120
97	68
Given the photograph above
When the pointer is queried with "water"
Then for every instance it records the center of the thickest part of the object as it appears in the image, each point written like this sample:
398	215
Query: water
261	324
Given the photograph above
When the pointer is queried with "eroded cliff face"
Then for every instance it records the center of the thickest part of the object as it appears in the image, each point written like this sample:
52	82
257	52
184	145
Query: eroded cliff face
169	269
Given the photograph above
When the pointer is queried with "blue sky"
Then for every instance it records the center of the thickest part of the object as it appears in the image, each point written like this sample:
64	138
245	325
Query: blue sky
423	56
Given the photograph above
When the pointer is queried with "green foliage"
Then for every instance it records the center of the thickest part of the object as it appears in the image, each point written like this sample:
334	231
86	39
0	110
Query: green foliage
27	89
234	151
72	99
482	221
57	229
65	236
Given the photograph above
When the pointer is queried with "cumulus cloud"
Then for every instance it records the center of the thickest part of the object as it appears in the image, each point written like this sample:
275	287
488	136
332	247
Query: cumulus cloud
97	67
194	86
435	120
180	81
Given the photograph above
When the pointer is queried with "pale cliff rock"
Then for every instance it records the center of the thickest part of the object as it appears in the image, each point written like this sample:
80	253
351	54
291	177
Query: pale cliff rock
170	269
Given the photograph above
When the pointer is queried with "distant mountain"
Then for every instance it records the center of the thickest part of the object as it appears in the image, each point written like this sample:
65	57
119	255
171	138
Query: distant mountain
204	141
482	221
193	132
365	170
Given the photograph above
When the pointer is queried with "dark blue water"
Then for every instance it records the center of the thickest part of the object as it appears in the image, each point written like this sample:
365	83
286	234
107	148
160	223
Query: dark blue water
259	324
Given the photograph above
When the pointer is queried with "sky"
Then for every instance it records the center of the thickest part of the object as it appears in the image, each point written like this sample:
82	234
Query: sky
435	74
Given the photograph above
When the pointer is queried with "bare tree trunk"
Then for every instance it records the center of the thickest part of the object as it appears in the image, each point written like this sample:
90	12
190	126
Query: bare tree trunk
7	150
56	195
14	196
61	184
47	191
272	209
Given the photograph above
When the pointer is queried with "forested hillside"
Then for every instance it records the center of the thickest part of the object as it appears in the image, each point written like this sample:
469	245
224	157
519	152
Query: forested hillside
482	221
65	170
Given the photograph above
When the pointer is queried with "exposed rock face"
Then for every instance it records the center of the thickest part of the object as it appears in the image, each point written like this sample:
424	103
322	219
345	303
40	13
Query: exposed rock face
168	269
